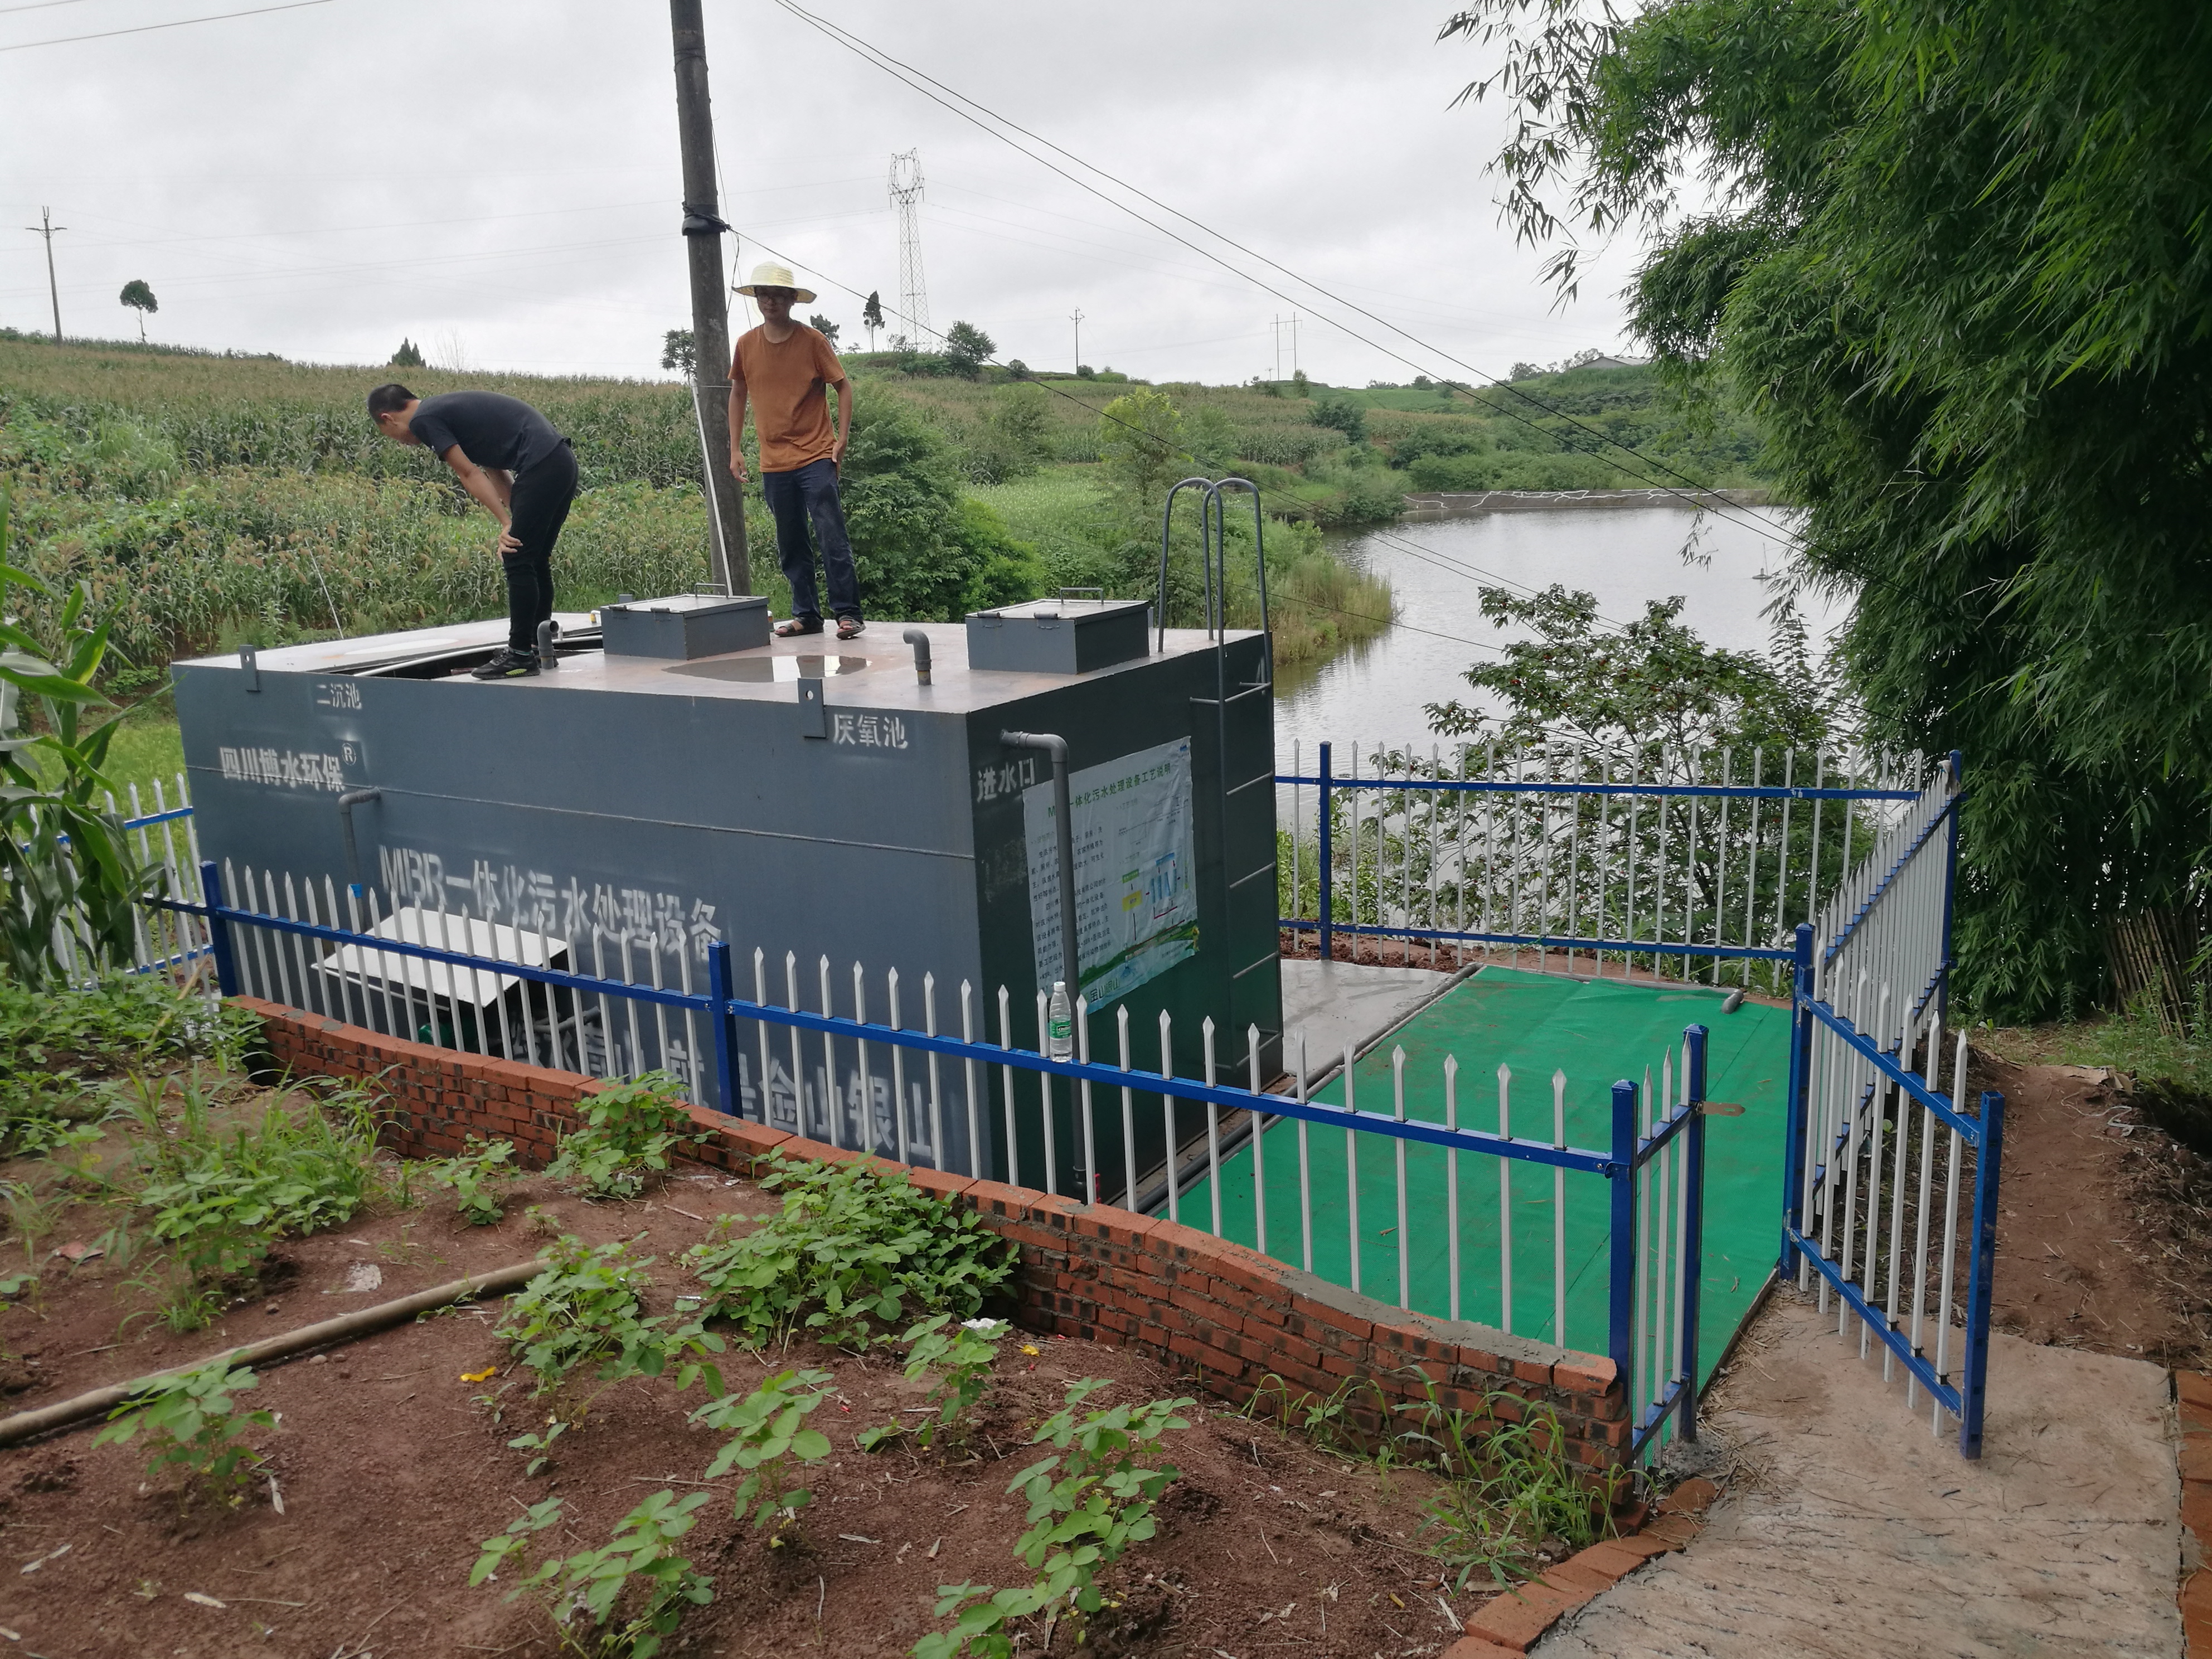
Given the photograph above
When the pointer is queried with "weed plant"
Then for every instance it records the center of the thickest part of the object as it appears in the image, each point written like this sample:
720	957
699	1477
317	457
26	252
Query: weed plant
1087	1504
856	1248
189	1422
1508	1486
54	1043
962	1356
219	1200
630	1133
638	1564
771	1443
587	1308
474	1177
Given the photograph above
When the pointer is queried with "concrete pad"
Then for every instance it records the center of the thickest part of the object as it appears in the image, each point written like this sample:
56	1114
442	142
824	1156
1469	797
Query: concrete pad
1849	1531
1340	1003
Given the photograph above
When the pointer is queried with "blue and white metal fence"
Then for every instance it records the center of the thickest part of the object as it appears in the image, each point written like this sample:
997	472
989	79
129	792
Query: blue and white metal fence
1654	858
925	1096
1880	1154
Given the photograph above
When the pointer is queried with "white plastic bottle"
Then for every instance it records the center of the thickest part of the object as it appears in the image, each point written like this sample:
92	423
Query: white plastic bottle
1060	1024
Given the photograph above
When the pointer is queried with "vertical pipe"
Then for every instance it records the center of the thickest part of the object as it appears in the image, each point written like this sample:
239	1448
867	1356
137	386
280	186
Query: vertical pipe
1458	861
1950	1236
1560	1211
1505	1204
970	1085
898	1068
1259	1146
1352	1170
1751	862
1091	1193
1128	1113
1451	1181
1006	1085
1650	1199
1622	1287
1305	1166
936	1081
1047	1114
1404	1227
867	1135
1934	1067
1719	863
724	1030
1325	862
1213	1127
1693	1252
1168	1112
1798	1107
1974	1379
1903	1144
798	1062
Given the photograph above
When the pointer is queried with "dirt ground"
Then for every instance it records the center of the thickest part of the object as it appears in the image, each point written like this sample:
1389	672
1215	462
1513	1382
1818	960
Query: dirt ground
391	1466
2104	1219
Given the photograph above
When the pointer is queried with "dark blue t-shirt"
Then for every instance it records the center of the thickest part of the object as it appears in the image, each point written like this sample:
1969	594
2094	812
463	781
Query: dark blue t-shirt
491	429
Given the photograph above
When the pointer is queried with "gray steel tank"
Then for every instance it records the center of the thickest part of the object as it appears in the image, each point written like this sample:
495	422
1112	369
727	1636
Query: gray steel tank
803	796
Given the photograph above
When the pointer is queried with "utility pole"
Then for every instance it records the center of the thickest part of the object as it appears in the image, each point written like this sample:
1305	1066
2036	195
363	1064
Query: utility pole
1294	342
1079	336
710	315
47	228
1279	348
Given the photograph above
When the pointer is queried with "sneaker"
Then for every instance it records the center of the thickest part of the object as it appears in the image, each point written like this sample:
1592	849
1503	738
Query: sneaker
509	664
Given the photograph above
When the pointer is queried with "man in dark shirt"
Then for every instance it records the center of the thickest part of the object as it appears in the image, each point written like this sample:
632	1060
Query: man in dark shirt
510	459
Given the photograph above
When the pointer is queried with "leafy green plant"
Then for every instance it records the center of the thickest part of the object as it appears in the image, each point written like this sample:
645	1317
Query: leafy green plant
473	1176
769	1436
1087	1504
218	1200
587	1309
540	1443
638	1563
189	1422
856	1248
630	1132
70	881
117	1022
962	1356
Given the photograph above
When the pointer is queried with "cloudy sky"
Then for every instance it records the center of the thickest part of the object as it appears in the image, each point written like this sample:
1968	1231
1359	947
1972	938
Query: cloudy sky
498	180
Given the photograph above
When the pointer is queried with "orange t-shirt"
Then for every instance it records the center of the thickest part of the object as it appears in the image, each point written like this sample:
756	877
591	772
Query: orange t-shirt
784	384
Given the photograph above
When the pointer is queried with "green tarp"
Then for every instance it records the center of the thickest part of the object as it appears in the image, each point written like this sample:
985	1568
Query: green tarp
1593	1031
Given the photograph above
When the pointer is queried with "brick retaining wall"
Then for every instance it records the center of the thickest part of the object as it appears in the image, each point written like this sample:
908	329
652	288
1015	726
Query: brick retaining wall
1091	1271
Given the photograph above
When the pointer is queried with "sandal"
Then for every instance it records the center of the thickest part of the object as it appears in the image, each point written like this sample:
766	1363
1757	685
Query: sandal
848	628
797	625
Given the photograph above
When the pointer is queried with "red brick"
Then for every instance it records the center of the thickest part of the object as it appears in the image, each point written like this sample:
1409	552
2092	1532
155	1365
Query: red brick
2196	1457
2197	1508
1692	1498
1533	1370
1674	1531
1581	1582
1582	1373
1607	1560
1641	1544
1518	1616
2195	1387
1473	1647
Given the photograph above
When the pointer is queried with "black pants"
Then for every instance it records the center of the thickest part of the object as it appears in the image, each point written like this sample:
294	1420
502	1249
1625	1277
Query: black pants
539	508
809	495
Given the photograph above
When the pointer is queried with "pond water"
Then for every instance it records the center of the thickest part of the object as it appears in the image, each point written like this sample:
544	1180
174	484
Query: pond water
1625	555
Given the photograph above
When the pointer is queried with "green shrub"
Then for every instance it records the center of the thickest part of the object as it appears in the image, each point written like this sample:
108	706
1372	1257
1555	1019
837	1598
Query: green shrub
473	1175
769	1437
1087	1504
630	1132
587	1308
962	1358
190	1424
857	1248
637	1562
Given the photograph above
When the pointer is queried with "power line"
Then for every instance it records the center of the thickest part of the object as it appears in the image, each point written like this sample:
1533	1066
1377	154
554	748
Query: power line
148	28
38	5
900	71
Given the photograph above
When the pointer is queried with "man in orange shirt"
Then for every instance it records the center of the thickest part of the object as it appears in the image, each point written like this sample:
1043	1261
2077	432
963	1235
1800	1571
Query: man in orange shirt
788	369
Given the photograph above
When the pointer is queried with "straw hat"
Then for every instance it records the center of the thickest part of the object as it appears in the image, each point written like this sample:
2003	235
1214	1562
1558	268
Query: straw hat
773	276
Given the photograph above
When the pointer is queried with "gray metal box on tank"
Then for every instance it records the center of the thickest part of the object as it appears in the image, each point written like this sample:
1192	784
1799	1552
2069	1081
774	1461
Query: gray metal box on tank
628	811
685	627
1067	636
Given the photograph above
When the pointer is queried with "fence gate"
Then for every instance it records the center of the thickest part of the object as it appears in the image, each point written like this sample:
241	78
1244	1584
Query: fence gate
1883	1146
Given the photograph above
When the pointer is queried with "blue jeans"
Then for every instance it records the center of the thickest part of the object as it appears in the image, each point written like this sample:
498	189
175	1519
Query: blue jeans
808	493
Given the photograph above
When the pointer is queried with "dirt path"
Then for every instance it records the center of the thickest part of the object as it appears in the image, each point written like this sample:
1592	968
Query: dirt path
1849	1531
